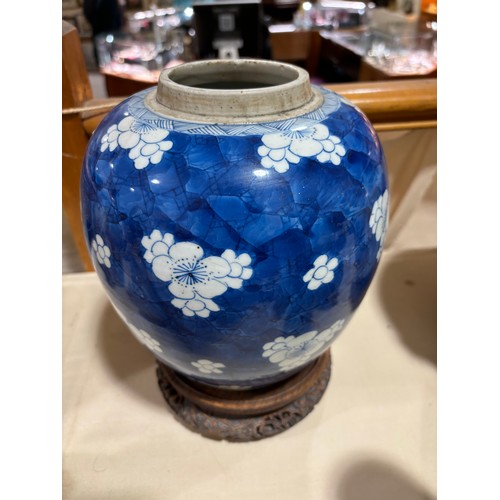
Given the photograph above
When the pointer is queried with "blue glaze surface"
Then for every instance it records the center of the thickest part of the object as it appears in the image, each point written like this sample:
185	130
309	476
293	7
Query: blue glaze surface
235	253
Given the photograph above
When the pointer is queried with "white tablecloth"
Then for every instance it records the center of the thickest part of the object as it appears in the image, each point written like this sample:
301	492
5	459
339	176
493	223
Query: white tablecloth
371	437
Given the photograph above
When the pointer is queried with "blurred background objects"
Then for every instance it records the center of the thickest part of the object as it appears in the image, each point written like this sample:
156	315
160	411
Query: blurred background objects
128	42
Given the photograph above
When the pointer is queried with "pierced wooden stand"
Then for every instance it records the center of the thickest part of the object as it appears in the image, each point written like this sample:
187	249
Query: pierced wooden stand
241	416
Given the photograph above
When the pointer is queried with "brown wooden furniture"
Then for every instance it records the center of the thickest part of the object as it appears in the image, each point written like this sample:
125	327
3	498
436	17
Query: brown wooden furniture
332	57
394	104
117	85
339	59
76	92
369	73
300	47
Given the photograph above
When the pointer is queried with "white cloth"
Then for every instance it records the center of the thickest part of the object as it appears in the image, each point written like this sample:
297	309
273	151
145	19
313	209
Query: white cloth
371	437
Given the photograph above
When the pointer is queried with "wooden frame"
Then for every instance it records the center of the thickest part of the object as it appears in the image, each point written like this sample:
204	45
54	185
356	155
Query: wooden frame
76	91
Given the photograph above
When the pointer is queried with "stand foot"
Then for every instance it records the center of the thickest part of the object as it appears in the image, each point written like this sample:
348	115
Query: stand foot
241	416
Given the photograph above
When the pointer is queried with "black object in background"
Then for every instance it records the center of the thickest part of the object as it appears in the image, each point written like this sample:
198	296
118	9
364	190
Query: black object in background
104	16
229	29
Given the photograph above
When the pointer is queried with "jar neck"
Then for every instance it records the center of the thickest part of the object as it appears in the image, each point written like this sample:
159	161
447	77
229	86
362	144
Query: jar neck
234	91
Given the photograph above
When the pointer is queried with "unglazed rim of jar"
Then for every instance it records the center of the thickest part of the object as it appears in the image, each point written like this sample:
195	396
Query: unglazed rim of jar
284	92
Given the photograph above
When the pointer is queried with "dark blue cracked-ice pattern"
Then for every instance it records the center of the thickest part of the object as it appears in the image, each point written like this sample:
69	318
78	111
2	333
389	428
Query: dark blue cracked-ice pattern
213	191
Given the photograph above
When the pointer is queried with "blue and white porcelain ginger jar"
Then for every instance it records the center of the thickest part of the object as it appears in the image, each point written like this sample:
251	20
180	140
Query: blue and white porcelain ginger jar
235	215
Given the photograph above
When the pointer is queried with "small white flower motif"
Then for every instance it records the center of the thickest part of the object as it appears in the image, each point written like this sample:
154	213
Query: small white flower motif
379	220
146	142
321	272
142	336
196	307
102	251
194	279
328	334
145	338
240	269
110	139
207	366
281	149
292	352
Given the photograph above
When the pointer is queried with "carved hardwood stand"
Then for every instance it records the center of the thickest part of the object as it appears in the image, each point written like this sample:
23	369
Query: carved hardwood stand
241	416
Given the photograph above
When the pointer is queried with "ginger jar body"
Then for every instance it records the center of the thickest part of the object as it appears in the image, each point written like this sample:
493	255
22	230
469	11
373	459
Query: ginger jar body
235	215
